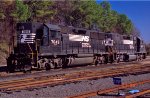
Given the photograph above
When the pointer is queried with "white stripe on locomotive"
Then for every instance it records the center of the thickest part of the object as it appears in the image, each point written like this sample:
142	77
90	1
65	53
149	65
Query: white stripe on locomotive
27	38
73	37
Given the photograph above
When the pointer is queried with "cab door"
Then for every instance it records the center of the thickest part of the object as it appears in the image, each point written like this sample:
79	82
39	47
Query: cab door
55	41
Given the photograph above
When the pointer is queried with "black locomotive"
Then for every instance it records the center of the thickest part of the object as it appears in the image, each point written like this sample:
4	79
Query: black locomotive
52	46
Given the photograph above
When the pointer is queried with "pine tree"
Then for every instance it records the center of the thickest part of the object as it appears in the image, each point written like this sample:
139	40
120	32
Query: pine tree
21	11
40	10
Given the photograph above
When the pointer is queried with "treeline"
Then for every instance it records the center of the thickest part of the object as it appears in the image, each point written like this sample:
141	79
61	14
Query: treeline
78	13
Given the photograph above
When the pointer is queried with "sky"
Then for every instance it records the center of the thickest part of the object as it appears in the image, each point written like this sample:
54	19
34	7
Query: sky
136	10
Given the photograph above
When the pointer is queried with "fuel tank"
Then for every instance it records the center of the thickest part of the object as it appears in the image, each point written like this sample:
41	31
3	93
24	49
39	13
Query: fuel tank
132	57
80	61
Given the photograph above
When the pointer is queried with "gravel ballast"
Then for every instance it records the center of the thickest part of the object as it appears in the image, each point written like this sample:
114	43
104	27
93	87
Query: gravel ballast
61	91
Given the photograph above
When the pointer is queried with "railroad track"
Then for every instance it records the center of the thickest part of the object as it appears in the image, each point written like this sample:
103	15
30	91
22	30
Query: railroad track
71	77
34	71
123	86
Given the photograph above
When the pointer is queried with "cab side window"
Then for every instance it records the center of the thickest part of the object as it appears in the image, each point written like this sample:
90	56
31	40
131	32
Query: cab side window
54	34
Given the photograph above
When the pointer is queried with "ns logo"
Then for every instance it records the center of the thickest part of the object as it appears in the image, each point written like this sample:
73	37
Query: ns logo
85	38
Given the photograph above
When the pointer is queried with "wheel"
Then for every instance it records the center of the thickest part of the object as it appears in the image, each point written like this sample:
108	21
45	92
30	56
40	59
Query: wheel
59	64
118	58
106	59
27	68
65	63
56	65
96	62
47	66
144	56
111	58
125	58
11	67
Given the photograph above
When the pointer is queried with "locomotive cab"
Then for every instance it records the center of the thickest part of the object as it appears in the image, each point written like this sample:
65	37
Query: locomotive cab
25	53
51	40
140	48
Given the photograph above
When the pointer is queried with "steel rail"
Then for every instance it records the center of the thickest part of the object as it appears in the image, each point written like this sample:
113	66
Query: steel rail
40	81
99	92
137	94
68	75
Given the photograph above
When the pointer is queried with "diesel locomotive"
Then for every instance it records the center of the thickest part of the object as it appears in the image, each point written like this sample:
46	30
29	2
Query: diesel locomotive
43	45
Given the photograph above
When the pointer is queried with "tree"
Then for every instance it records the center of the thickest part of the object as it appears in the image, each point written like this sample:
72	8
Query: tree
21	11
108	19
124	24
80	13
135	31
5	9
92	12
5	30
40	10
2	16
